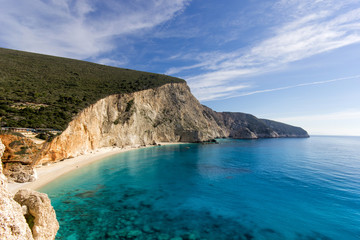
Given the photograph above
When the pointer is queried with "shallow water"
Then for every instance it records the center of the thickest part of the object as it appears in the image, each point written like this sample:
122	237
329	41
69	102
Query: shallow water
238	189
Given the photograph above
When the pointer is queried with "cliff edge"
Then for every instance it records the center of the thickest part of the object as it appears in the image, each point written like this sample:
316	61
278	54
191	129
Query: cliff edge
169	113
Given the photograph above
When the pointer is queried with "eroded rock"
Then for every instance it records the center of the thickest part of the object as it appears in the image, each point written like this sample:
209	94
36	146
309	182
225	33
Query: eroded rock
20	173
13	225
41	215
17	158
18	149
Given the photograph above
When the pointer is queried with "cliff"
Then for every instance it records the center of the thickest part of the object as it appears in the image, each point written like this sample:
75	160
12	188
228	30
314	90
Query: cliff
247	126
169	113
285	130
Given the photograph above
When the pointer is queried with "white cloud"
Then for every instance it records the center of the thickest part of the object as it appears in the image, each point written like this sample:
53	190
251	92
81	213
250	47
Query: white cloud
210	93
206	60
111	62
81	28
310	32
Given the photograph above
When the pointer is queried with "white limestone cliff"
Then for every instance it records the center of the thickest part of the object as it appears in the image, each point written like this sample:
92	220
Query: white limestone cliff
169	113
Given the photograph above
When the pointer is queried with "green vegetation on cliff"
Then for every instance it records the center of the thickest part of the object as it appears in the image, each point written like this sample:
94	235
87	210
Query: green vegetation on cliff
41	91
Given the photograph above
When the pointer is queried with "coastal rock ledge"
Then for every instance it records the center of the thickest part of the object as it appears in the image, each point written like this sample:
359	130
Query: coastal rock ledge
39	214
169	113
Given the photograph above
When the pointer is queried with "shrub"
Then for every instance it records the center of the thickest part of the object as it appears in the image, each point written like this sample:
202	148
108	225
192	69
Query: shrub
46	136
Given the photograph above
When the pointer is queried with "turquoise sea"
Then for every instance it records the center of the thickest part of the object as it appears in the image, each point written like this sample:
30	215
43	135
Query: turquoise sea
238	189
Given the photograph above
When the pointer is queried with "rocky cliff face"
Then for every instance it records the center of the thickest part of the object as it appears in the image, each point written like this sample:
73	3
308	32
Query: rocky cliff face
169	113
247	126
40	222
285	130
166	114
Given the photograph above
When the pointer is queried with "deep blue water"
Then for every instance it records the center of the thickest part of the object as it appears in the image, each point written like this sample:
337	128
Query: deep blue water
238	189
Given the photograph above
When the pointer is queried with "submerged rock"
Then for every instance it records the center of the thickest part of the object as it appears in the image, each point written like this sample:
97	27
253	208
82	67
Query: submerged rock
134	233
41	215
176	238
147	229
163	236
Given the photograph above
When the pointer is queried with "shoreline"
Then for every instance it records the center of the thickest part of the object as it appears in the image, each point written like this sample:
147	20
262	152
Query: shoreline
49	173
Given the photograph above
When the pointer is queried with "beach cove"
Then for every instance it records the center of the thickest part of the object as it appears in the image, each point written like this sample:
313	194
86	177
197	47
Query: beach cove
50	172
238	189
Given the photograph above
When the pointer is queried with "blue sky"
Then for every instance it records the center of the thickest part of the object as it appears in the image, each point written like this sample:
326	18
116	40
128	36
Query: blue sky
296	61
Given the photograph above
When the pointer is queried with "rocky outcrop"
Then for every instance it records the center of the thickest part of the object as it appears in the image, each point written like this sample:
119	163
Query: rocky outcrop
20	173
169	113
39	213
13	225
18	149
17	158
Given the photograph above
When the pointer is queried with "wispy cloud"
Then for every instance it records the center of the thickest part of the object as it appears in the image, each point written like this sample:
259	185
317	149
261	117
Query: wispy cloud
295	86
211	93
81	28
310	32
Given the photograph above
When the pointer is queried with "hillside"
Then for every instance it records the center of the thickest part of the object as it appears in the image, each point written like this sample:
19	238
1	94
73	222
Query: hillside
41	91
285	130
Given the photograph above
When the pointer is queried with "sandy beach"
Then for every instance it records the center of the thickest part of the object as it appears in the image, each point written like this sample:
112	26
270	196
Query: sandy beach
48	173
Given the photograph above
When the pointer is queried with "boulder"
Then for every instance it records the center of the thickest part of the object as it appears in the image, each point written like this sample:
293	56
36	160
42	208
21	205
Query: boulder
40	214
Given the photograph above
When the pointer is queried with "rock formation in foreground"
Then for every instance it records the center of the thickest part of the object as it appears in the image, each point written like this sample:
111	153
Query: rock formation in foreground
35	206
169	113
13	225
39	213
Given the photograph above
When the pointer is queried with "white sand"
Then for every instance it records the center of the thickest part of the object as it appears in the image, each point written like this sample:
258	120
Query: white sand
46	174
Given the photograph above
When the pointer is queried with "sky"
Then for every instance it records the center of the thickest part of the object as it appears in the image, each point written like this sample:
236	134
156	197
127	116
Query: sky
295	61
